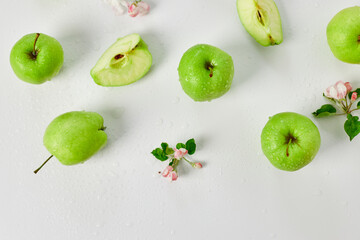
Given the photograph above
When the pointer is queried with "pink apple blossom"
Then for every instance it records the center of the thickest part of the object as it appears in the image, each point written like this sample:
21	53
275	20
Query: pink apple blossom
348	86
172	176
118	6
197	165
353	96
138	8
167	171
180	153
337	91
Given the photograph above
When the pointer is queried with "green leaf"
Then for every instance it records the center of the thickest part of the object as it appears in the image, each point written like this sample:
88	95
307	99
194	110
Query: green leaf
166	149
171	163
352	126
169	151
180	145
357	91
190	146
325	111
159	154
358	105
164	146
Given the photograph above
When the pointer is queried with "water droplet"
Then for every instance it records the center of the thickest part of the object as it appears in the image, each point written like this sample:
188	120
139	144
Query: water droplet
96	47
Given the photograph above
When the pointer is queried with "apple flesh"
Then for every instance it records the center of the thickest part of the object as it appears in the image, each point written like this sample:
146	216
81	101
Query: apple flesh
36	58
205	72
125	62
343	35
290	141
261	20
74	137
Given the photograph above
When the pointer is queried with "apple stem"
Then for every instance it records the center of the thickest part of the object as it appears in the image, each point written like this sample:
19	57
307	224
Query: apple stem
36	171
209	67
34	53
287	148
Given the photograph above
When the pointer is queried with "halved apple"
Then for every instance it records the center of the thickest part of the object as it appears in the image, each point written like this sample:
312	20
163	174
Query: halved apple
125	62
261	20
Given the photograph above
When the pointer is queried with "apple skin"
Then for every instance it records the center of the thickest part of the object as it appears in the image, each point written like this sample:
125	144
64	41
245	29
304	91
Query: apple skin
304	144
44	66
205	72
74	137
261	19
343	35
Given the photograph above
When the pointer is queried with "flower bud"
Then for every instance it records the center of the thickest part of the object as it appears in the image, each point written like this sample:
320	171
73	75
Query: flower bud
180	153
172	176
197	165
167	171
353	96
348	87
138	8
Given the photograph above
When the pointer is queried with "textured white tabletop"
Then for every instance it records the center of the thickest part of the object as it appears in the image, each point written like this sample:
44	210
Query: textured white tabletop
118	194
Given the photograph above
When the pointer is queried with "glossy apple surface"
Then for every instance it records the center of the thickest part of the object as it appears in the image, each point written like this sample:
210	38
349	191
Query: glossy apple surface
290	141
205	72
74	137
343	35
36	58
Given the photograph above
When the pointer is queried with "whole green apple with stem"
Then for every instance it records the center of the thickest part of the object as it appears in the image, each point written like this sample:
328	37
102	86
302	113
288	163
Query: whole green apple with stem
261	20
36	58
343	35
74	137
205	72
290	141
124	62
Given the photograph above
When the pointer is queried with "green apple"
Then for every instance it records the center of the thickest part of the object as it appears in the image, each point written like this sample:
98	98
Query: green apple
343	35
74	137
36	58
261	20
205	72
290	141
124	62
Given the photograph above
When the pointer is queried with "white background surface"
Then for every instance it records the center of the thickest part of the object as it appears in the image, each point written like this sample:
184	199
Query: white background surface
118	194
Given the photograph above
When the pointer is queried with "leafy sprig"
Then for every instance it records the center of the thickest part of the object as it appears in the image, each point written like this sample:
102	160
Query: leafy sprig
175	155
343	99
